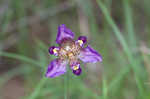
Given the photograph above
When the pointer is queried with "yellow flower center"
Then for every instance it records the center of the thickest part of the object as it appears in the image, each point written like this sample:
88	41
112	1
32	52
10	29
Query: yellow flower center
69	50
70	55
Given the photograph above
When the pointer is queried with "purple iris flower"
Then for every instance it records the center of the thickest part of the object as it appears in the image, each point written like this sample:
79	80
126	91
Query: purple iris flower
70	51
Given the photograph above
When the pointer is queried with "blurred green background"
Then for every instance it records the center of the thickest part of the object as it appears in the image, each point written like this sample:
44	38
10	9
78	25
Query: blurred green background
118	29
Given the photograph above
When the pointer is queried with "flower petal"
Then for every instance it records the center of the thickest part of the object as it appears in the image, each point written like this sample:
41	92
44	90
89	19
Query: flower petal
73	63
56	68
53	50
78	71
75	66
82	40
63	32
88	54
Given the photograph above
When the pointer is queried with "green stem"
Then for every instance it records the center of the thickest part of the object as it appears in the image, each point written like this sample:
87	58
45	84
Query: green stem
37	90
66	85
129	23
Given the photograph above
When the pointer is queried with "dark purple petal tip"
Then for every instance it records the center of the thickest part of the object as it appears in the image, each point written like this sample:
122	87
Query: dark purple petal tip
75	66
78	71
63	32
53	50
83	38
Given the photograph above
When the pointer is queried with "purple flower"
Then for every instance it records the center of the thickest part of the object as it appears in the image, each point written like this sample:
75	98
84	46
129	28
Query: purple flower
69	52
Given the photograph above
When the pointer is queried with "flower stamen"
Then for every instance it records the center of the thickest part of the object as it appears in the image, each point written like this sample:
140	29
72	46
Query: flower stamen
55	50
70	55
67	48
80	42
75	67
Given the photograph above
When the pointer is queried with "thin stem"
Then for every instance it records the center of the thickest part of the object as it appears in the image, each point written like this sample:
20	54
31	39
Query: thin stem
105	89
66	85
129	23
37	90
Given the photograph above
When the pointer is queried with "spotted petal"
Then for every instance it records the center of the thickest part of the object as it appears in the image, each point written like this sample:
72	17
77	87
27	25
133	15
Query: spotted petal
89	55
77	72
75	66
63	32
56	68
